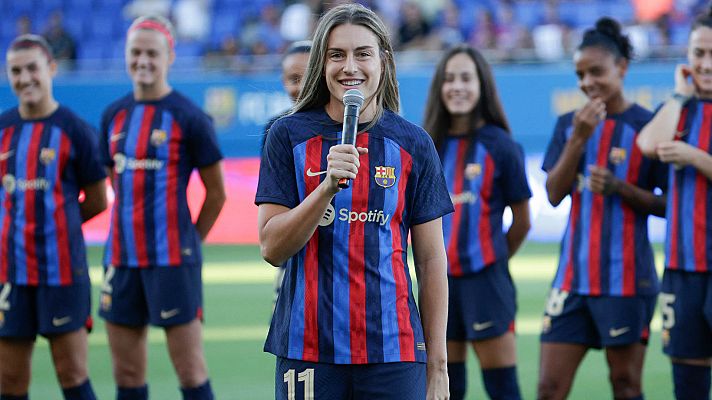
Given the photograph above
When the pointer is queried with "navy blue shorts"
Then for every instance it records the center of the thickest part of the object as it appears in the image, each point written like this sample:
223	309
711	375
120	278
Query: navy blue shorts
160	296
26	311
303	380
686	307
481	305
597	321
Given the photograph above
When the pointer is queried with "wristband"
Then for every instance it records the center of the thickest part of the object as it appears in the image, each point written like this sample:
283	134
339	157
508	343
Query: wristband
681	98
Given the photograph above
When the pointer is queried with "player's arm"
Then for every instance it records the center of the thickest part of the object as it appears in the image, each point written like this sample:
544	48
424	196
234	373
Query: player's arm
431	269
521	223
212	178
561	177
283	231
681	154
602	181
94	200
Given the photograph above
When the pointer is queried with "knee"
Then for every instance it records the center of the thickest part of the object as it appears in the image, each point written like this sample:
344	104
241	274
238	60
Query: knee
548	388
14	382
129	374
71	375
625	384
191	375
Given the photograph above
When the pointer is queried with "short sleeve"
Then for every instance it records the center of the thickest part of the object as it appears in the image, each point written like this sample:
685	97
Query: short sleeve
516	186
202	142
89	168
432	199
277	181
556	145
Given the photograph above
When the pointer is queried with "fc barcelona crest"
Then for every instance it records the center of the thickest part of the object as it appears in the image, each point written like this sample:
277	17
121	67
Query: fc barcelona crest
617	155
473	170
158	137
47	155
385	176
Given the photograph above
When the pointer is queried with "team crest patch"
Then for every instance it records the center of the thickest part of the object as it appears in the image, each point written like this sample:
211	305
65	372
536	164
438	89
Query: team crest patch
47	155
385	176
158	137
473	170
617	155
105	301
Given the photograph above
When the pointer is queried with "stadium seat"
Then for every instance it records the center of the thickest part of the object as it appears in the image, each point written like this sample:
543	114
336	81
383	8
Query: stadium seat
528	13
102	26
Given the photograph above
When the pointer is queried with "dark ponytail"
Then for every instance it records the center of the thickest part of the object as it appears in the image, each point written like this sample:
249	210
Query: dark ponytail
608	34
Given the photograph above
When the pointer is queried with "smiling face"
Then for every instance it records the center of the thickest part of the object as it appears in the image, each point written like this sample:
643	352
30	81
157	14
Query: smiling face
600	76
699	55
30	73
148	58
461	85
353	61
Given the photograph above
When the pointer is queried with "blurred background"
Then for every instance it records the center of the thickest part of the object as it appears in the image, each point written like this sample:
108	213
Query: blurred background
229	53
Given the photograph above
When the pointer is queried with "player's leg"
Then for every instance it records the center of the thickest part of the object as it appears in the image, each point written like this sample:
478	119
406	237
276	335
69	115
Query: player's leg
498	361
123	306
64	315
175	302
567	334
17	338
624	325
456	368
685	299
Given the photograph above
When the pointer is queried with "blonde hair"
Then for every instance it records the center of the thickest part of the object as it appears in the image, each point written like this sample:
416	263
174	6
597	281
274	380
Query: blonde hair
314	91
155	23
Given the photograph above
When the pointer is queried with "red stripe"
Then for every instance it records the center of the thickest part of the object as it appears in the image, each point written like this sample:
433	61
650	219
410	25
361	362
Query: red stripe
119	122
674	218
7	205
700	222
594	252
681	122
406	338
175	138
357	262
485	234
139	183
60	217
311	260
33	155
453	255
629	225
573	220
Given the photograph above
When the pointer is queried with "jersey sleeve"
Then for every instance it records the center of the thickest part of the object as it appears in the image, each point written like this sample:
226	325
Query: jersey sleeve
277	179
432	199
89	168
202	142
103	139
516	186
556	145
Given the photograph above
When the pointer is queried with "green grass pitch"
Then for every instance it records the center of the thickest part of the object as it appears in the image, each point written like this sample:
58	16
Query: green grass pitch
238	295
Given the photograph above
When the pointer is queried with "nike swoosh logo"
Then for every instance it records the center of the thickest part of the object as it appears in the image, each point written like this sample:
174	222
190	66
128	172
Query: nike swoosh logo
117	136
482	326
170	313
310	173
6	155
61	321
617	332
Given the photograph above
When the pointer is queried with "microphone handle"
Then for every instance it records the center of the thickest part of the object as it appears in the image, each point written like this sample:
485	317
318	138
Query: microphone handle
348	135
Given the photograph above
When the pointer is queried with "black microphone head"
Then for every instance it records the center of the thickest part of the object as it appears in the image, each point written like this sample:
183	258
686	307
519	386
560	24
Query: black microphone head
353	97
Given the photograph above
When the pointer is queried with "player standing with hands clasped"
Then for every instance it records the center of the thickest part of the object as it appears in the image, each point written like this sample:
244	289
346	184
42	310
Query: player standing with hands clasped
604	291
679	134
484	170
152	139
47	156
346	325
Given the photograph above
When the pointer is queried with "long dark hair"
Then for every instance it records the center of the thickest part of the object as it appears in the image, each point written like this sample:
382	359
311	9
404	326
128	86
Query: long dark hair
488	109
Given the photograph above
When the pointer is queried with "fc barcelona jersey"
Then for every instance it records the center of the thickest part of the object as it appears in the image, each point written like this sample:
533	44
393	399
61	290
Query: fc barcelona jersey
605	249
347	295
44	163
152	147
485	173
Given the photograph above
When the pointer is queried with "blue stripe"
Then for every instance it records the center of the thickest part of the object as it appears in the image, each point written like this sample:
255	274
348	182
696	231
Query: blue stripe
109	248
585	220
473	239
340	287
389	310
50	228
23	146
296	318
617	239
449	162
669	212
687	198
160	216
127	178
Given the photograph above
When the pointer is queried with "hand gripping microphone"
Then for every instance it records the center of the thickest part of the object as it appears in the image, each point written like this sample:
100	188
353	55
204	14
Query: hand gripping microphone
353	100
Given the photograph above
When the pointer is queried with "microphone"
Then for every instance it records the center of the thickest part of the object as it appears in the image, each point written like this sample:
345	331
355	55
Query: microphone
353	100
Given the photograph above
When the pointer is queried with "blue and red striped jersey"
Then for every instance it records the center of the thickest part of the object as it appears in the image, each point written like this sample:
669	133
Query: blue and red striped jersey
605	249
689	207
44	163
153	147
484	173
347	296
